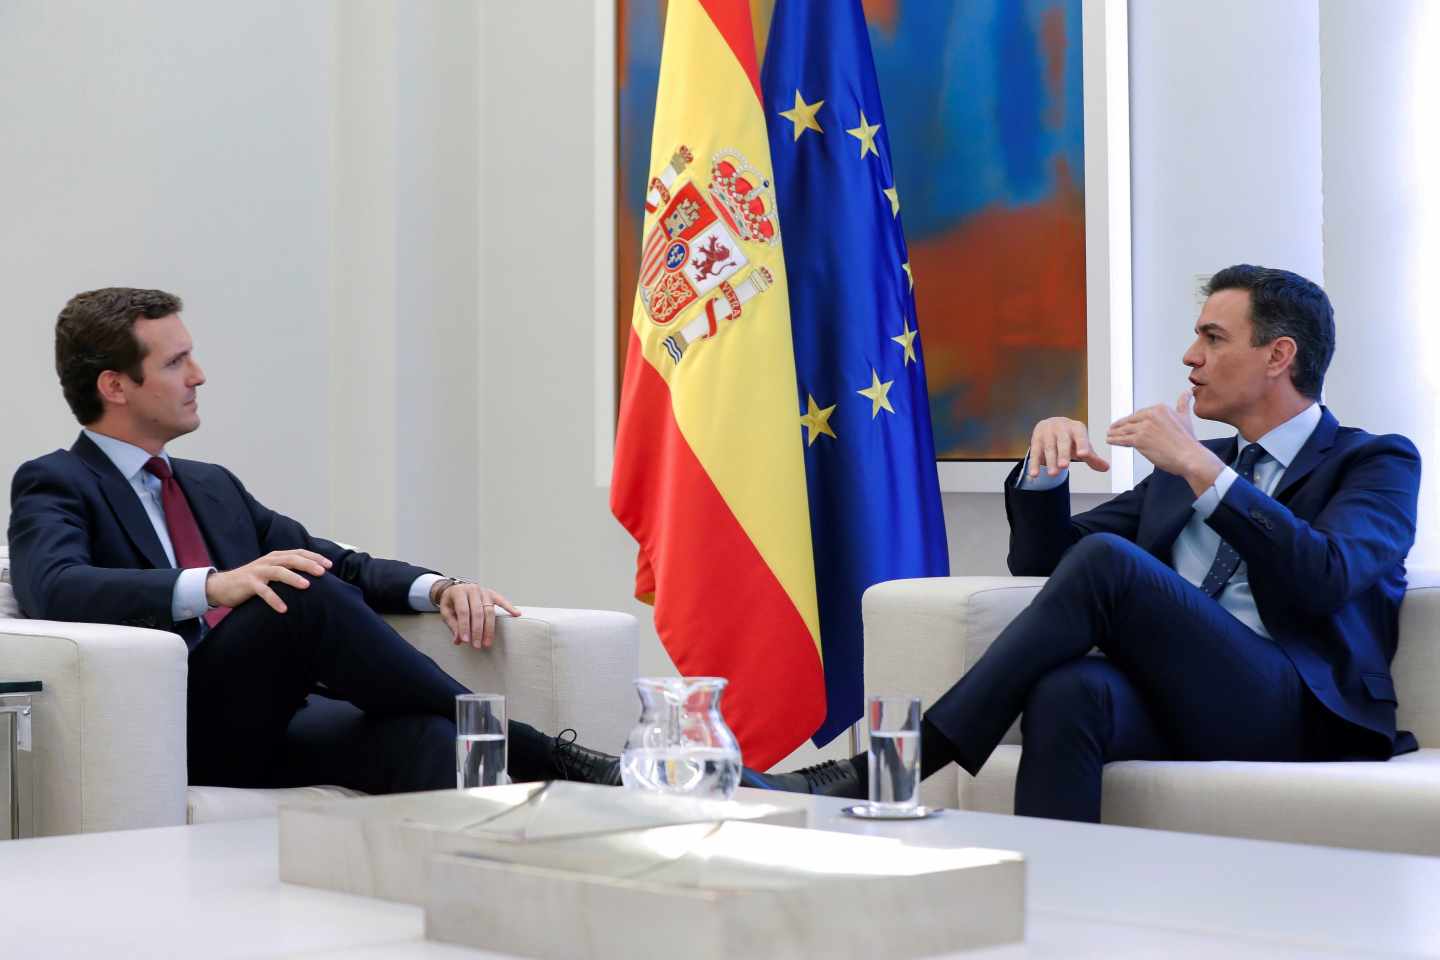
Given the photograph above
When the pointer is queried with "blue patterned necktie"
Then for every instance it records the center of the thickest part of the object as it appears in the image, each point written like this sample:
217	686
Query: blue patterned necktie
1227	561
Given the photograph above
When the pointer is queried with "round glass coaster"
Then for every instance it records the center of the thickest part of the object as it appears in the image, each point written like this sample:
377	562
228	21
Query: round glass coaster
864	811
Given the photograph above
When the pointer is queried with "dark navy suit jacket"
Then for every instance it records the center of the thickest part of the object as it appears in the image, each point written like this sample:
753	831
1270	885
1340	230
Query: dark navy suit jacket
83	548
1325	555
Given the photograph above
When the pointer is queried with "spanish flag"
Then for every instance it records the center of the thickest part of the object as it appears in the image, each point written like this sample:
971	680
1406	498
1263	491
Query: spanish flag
709	472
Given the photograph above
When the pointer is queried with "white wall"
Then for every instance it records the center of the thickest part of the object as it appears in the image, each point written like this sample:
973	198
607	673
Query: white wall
302	174
1225	163
406	424
182	146
1380	83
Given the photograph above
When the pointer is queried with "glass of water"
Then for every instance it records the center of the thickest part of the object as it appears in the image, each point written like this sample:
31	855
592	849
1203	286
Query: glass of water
479	740
894	753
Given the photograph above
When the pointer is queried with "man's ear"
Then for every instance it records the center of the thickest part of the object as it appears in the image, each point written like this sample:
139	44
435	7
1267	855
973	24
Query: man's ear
110	387
1282	356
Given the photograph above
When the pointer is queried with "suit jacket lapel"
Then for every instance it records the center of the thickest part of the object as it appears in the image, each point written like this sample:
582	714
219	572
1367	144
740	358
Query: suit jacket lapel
1175	500
124	501
1310	455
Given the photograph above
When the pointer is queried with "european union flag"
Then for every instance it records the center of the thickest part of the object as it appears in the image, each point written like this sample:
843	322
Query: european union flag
875	509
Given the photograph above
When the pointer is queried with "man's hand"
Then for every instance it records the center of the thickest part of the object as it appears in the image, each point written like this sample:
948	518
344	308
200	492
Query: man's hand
230	588
1166	437
1057	441
469	612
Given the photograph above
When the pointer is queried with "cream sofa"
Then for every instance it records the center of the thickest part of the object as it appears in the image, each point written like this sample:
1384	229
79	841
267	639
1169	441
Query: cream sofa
921	635
109	728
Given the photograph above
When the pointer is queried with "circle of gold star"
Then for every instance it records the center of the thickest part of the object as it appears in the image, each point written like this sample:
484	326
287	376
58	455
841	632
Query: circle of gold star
907	340
893	196
865	133
802	115
817	421
878	394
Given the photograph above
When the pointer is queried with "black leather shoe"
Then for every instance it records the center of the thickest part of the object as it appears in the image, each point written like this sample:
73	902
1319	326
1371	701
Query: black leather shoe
833	778
582	764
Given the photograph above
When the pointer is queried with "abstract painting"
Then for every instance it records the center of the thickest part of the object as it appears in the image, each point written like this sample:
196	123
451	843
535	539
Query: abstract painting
985	108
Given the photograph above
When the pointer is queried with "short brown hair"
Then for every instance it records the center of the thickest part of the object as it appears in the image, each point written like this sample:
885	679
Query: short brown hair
96	332
1285	304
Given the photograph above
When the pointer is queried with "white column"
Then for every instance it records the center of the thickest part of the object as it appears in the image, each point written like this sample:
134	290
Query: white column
1380	80
362	358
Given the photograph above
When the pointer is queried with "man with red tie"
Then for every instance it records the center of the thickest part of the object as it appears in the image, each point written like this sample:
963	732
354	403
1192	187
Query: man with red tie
114	530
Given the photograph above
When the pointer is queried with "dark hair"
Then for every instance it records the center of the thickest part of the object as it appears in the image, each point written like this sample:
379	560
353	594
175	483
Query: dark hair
96	332
1285	304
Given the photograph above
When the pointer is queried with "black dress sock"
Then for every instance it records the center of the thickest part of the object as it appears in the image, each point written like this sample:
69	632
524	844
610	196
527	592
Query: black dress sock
935	750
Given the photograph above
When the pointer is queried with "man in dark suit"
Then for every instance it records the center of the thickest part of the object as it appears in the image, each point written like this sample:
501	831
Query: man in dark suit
1246	595
115	530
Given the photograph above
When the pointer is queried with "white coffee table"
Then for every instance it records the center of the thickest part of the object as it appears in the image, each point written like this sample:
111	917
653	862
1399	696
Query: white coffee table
1093	891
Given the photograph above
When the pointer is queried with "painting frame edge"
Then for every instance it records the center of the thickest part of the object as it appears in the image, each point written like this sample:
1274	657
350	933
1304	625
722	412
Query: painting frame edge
1109	370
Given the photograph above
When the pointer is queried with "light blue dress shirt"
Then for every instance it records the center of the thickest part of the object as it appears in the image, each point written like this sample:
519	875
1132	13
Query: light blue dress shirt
1197	544
187	601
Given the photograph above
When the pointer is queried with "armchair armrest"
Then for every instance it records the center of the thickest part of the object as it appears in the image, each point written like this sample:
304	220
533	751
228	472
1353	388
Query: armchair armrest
109	728
557	668
922	635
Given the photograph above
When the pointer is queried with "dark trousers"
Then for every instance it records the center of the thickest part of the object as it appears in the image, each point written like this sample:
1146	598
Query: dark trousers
1181	678
386	721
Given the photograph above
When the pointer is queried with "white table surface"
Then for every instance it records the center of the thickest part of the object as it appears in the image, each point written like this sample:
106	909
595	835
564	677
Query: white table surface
1093	891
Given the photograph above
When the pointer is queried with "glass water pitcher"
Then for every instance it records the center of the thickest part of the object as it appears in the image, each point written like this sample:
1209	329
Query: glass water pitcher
681	745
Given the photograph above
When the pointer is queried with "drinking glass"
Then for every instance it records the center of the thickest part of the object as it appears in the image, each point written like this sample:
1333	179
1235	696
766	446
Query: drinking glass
894	753
479	740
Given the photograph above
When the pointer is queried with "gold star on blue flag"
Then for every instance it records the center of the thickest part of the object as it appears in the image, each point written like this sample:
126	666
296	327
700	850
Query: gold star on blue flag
874	493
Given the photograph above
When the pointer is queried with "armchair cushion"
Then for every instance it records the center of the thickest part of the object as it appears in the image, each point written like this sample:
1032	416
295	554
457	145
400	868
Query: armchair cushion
1392	805
109	731
921	635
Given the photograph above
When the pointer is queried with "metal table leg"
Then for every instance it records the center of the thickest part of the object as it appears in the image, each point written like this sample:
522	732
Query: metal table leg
17	760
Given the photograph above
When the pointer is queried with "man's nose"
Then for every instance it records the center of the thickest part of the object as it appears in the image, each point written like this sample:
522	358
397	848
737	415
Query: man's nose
197	375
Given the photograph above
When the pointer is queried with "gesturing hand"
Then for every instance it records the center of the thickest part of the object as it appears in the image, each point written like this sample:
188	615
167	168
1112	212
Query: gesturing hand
230	588
1058	440
1165	436
469	612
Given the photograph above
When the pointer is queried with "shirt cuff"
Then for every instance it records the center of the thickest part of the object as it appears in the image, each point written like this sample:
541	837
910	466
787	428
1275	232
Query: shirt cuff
1042	482
420	593
187	601
1206	503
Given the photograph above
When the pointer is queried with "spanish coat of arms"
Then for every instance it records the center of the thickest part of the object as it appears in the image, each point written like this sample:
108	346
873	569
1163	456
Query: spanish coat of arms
695	246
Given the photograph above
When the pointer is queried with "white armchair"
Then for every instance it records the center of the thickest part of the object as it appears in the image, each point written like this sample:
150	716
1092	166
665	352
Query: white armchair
109	728
921	635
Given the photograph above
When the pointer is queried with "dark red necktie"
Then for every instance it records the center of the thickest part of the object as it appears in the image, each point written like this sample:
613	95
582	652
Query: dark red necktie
185	538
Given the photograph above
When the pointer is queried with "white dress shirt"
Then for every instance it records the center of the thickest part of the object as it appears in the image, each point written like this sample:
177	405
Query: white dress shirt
187	601
1196	546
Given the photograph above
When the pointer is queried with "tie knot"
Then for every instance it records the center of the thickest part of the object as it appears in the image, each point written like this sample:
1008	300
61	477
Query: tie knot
158	467
1249	457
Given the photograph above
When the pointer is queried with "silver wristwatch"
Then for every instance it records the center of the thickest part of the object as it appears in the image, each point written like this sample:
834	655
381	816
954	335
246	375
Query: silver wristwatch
445	583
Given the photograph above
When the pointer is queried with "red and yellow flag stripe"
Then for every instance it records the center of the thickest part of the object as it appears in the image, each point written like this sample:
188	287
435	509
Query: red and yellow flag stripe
709	472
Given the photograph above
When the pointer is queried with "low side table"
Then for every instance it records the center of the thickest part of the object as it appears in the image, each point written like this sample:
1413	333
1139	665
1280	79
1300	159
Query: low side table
17	759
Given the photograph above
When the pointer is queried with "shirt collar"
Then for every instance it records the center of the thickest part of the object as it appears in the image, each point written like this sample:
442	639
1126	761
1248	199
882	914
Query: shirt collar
1284	442
128	458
